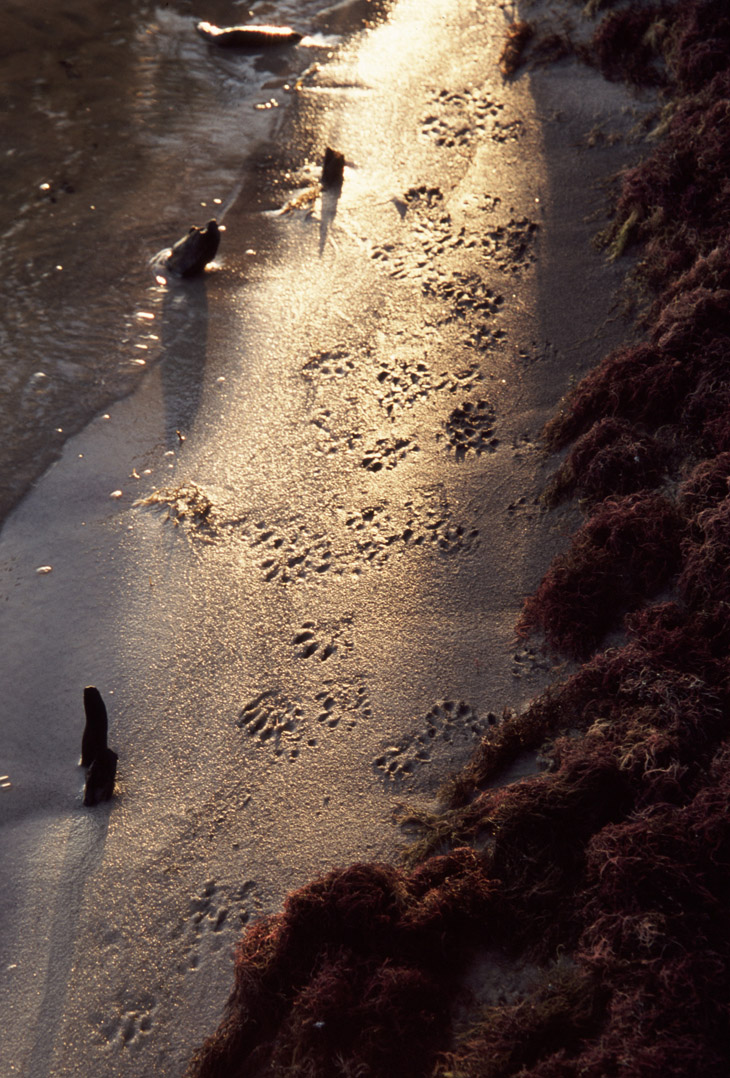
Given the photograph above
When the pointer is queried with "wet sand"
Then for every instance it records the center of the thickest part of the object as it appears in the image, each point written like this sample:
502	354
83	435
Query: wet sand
358	403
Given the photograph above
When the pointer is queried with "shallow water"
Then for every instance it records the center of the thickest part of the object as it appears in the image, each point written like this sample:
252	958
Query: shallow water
118	130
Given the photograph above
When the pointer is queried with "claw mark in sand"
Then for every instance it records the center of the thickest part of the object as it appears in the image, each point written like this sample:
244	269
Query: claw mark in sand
313	641
213	921
386	453
451	723
470	427
271	719
404	382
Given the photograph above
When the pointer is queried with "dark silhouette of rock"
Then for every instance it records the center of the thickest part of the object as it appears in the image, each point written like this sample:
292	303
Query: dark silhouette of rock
100	778
191	254
333	169
94	738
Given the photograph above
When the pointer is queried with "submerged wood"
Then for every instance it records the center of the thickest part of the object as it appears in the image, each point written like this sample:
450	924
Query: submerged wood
95	730
100	778
191	254
333	168
248	37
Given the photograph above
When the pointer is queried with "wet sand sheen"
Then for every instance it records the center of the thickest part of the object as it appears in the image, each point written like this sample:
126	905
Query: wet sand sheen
361	417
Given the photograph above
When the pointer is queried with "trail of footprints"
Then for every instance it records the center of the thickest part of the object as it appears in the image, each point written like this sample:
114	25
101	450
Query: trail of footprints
378	535
466	295
452	723
372	536
470	428
400	384
457	118
133	1021
213	920
403	382
284	727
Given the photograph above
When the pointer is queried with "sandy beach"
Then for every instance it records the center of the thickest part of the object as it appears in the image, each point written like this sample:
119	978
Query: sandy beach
293	559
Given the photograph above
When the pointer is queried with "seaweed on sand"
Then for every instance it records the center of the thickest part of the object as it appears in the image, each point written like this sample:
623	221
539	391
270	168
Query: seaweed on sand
351	974
625	552
553	1020
628	45
706	485
639	383
647	988
613	457
669	382
676	199
516	39
705	576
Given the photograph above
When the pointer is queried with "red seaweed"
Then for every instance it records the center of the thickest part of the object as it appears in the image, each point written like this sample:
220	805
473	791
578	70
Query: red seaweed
628	45
613	457
625	552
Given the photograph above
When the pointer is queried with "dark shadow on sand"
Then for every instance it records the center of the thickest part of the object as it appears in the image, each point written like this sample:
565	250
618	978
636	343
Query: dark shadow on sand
183	354
84	851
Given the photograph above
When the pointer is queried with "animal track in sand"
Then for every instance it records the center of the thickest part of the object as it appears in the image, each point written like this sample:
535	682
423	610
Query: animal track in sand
402	382
449	723
387	452
313	641
470	428
507	131
486	337
527	660
525	509
342	703
379	533
424	195
465	295
330	440
538	353
429	237
338	703
510	247
273	721
457	119
326	366
134	1020
414	257
214	919
293	552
